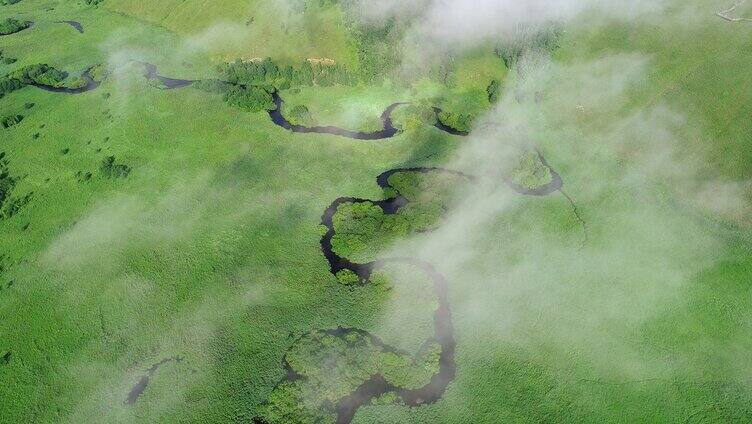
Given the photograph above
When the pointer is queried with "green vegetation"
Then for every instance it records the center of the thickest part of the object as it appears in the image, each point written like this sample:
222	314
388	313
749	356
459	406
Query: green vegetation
528	39
99	72
287	405
494	91
266	72
352	107
299	115
411	117
286	31
6	59
530	172
11	26
251	98
363	230
458	121
141	224
333	363
10	202
347	277
425	188
11	120
362	356
41	74
8	85
377	50
249	84
110	169
213	86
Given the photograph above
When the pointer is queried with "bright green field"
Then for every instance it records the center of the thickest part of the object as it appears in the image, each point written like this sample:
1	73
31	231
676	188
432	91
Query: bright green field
229	29
209	249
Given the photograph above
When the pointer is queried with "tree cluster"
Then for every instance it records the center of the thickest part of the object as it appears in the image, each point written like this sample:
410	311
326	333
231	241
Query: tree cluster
250	84
333	366
6	60
8	85
494	91
377	50
12	25
11	120
458	121
268	73
110	169
528	40
9	204
247	97
299	115
250	98
38	74
530	172
363	230
43	74
414	116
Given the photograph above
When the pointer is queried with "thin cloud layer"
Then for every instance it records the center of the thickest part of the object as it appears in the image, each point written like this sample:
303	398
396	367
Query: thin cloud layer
518	270
466	22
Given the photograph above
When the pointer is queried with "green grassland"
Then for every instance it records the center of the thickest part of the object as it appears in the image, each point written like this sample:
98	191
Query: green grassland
208	247
250	29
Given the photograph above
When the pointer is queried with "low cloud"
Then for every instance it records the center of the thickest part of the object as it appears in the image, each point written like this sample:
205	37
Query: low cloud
518	269
467	22
115	223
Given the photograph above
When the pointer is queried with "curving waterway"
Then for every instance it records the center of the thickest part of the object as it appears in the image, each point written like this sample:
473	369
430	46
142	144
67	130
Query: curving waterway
376	386
388	130
91	84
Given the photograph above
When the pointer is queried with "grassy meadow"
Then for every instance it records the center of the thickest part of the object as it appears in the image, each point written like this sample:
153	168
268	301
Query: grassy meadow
631	303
